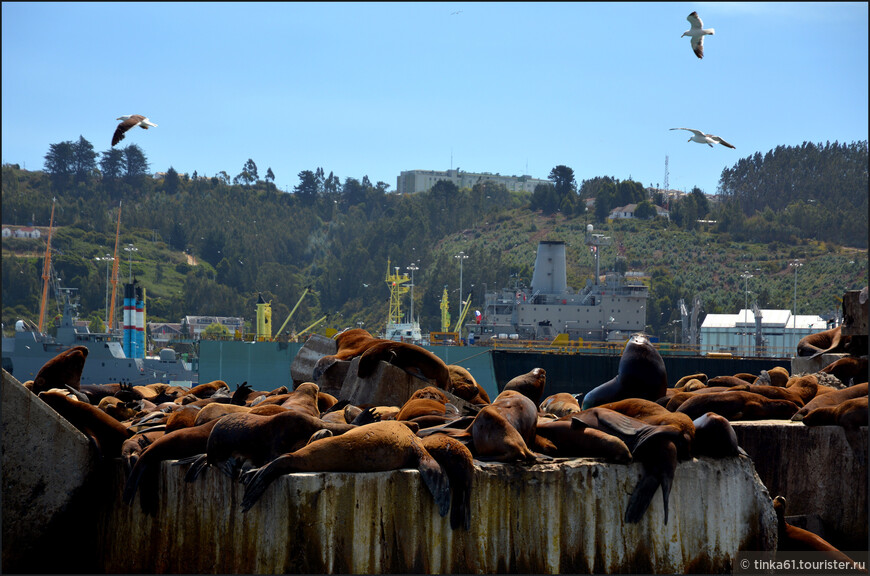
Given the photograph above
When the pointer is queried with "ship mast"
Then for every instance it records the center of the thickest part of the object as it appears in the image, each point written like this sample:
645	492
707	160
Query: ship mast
46	269
115	272
395	282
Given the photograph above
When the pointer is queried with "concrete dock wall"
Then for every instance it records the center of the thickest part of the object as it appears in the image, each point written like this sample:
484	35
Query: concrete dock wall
549	518
819	473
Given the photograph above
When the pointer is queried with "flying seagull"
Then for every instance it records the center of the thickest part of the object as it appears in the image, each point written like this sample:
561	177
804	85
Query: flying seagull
702	138
697	33
127	122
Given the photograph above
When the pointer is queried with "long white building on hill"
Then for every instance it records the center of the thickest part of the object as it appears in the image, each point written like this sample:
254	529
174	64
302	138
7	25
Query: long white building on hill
735	333
411	181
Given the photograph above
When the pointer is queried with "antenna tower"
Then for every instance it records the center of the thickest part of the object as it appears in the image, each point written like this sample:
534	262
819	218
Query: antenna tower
667	186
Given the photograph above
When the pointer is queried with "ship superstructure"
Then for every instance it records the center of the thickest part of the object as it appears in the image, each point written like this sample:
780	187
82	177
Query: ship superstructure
608	310
399	328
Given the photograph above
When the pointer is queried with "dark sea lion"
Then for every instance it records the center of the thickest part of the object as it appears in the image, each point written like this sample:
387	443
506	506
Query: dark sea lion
456	461
65	369
776	376
350	344
416	407
582	442
120	410
183	417
250	439
135	445
560	404
106	433
677	399
700	377
851	414
825	342
325	401
240	396
738	405
376	447
641	374
727	382
520	411
495	438
848	369
657	415
746	377
463	385
777	393
791	538
411	358
97	392
831	399
530	384
181	443
715	437
653	446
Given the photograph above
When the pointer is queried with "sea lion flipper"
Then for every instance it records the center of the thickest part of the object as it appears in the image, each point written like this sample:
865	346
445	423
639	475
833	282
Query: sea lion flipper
198	464
319	435
641	497
256	480
436	481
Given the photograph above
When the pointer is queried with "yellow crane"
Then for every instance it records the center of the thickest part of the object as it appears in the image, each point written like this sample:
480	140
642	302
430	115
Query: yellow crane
395	282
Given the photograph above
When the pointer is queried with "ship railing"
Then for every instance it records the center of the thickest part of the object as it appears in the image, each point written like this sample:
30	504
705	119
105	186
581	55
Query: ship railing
615	348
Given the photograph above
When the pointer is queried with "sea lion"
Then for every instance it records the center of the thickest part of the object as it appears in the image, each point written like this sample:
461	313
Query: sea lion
746	377
560	404
457	462
851	414
806	387
531	384
463	385
831	399
792	538
411	358
641	374
106	433
582	442
777	393
677	399
249	439
738	405
184	417
304	399
715	437
134	445
65	369
95	393
118	409
495	438
208	389
653	446
325	401
657	415
728	382
825	342
692	385
776	376
376	447
351	343
700	377
215	411
848	369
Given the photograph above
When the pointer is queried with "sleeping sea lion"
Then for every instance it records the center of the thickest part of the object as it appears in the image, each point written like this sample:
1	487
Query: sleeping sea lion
641	374
560	404
376	447
715	437
657	415
463	385
831	399
848	369
582	442
738	405
106	433
411	358
825	342
792	538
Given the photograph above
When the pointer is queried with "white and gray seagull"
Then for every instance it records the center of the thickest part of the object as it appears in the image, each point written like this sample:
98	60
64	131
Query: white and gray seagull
702	138
127	122
697	33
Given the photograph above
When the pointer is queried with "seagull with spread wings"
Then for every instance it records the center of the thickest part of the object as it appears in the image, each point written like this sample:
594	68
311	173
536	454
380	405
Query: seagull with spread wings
697	33
127	122
702	138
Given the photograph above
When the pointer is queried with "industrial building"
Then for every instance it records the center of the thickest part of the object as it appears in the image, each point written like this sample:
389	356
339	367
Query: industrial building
411	181
780	330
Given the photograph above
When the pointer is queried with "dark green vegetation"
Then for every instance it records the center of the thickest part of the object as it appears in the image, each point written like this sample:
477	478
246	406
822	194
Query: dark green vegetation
208	246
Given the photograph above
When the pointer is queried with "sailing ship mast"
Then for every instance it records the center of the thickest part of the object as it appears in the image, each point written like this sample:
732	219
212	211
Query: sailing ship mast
46	268
115	273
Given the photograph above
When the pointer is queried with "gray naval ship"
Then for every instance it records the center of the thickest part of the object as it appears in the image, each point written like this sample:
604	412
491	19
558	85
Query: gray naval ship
607	311
28	350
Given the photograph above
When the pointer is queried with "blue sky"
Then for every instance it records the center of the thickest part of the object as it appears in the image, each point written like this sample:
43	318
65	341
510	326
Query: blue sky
374	89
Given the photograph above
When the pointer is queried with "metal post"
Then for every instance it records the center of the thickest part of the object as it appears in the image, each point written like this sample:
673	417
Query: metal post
461	256
746	276
412	267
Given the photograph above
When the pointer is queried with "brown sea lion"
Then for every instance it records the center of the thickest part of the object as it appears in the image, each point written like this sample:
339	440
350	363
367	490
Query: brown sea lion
183	417
118	409
351	343
416	407
135	445
715	437
106	433
677	399
738	405
463	385
456	461
792	538
806	387
215	411
560	404
746	377
411	358
831	399
848	369
657	415
495	438
249	439
65	369
304	399
727	382
376	447
653	446
208	389
582	442
641	374
776	376
825	342
777	393
692	385
848	413
325	401
97	392
531	384
700	377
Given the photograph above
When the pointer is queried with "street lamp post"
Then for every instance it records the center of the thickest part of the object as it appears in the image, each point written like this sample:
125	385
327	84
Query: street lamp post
461	256
130	249
412	267
795	264
746	276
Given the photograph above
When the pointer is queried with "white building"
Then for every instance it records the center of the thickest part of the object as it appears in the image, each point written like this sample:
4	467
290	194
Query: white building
411	181
735	333
199	323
